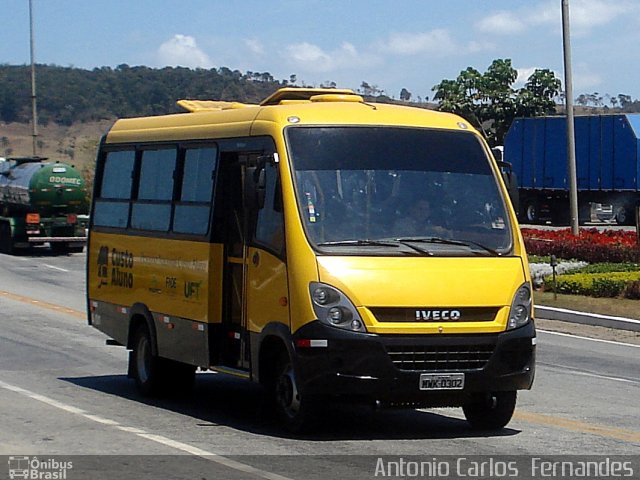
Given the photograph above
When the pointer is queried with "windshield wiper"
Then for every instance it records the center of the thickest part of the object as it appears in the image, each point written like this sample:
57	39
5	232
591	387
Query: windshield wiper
446	241
358	243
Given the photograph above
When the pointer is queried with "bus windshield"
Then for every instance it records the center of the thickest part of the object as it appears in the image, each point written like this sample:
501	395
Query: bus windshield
395	190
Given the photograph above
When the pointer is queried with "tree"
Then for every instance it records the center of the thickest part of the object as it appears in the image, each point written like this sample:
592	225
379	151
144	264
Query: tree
370	90
405	95
624	100
490	102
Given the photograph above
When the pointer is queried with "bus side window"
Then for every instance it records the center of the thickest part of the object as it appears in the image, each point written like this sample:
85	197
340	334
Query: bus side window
152	210
270	224
193	210
114	195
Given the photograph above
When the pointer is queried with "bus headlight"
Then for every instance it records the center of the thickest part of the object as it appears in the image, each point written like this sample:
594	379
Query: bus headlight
520	312
332	307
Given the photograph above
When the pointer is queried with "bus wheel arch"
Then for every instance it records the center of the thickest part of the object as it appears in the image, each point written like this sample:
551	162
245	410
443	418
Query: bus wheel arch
140	315
153	374
277	374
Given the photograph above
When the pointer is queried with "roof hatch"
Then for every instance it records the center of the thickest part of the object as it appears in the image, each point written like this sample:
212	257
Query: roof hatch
282	96
311	94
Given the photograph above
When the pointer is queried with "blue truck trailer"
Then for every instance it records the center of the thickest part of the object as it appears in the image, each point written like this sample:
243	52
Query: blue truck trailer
607	165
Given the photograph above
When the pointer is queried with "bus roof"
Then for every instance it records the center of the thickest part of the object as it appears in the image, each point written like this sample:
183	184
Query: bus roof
209	119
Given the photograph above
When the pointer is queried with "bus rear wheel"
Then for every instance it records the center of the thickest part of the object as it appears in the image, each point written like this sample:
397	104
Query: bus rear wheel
155	375
143	365
491	410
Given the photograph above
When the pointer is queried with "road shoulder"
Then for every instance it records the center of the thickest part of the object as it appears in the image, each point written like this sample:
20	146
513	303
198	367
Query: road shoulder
590	331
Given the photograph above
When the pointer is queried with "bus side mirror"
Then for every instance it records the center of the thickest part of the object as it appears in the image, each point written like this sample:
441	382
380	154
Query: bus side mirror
251	190
511	182
260	177
255	180
260	181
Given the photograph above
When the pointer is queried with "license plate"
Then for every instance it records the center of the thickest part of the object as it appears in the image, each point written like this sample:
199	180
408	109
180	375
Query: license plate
437	381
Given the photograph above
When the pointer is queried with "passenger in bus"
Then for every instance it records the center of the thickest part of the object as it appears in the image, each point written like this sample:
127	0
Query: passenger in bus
420	220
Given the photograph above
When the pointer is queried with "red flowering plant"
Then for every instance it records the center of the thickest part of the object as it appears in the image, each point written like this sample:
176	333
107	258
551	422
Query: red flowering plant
590	245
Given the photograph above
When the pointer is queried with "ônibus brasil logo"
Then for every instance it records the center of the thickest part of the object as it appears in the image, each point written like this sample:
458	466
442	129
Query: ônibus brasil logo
34	468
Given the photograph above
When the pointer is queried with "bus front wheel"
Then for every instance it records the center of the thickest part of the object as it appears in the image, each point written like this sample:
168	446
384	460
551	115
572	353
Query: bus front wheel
490	411
293	409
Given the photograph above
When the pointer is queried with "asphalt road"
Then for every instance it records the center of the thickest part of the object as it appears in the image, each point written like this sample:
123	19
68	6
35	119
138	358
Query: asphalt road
64	392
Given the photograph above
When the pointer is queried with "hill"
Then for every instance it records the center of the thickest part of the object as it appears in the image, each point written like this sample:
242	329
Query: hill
71	95
75	144
76	106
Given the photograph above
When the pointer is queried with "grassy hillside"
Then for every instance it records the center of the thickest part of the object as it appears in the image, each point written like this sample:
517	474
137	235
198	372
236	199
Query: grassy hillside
75	144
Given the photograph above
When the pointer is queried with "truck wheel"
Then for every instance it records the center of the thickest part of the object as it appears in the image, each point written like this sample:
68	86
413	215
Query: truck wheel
624	216
65	248
293	409
59	248
6	242
531	212
490	411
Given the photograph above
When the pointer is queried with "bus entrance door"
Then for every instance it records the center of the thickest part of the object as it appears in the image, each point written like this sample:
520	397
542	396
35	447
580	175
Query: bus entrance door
240	214
230	202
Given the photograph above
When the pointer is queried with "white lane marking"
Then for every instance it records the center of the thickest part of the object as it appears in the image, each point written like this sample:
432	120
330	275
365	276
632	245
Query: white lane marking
589	314
587	338
55	268
212	457
574	371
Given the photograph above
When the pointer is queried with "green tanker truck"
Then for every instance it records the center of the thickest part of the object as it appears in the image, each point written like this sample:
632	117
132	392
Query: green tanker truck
41	202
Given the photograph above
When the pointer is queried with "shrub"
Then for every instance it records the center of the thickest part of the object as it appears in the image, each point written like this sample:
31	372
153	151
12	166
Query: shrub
632	290
611	284
608	267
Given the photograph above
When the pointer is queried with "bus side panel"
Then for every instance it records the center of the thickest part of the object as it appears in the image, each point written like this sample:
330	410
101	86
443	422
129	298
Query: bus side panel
168	278
267	299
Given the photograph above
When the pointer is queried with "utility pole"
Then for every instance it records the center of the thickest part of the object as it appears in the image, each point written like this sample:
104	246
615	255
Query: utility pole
571	141
34	112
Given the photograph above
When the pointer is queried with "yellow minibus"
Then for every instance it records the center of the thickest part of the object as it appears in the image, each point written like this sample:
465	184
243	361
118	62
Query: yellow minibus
323	246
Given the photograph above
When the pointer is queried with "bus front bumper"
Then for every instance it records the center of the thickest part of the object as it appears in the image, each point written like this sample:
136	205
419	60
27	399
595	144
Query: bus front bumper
390	368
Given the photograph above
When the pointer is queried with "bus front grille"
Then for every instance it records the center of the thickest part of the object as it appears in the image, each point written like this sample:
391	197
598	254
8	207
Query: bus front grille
439	358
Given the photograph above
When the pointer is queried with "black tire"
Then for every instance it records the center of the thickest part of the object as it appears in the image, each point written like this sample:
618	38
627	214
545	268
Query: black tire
65	248
6	242
531	213
490	411
59	248
154	375
561	215
294	410
624	216
143	365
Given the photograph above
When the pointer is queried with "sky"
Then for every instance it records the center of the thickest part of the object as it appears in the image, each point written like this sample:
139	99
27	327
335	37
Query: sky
390	44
